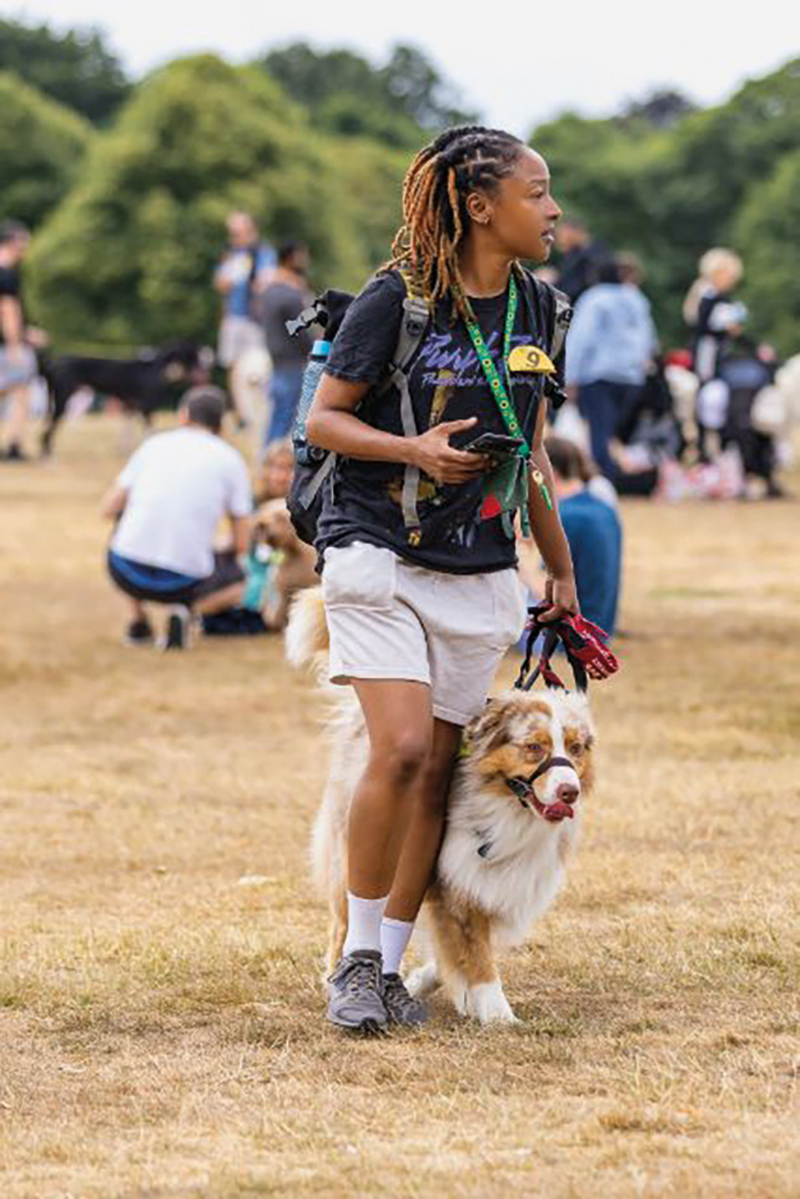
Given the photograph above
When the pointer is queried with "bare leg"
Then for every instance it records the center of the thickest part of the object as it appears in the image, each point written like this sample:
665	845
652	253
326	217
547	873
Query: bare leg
400	727
238	395
426	825
137	608
218	601
19	403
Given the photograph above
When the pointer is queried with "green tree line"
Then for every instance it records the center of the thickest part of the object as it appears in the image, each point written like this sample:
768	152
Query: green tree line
126	184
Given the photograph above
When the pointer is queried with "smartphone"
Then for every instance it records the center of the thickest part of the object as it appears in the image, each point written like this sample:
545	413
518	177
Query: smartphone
499	445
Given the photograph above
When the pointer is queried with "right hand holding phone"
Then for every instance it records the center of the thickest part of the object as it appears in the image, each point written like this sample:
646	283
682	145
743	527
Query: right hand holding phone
434	455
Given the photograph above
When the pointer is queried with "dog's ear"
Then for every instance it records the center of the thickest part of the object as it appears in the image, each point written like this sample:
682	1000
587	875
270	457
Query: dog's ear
489	730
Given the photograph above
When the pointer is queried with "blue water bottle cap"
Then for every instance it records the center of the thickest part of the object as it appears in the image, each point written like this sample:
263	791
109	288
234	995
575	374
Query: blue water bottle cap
321	349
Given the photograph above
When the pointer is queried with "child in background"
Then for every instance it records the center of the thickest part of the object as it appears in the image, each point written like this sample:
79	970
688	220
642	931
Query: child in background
275	476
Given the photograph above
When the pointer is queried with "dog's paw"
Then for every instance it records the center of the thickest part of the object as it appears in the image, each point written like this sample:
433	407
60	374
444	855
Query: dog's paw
489	1005
423	981
460	995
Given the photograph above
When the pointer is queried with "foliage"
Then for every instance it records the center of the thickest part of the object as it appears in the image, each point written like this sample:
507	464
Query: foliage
76	68
42	145
129	256
662	108
346	94
315	143
411	79
765	232
671	194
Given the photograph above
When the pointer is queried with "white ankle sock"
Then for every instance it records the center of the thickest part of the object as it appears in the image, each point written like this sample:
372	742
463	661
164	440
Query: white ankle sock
395	935
364	923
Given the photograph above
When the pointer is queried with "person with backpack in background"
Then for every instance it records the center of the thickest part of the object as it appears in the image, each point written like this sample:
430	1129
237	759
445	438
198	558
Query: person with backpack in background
416	532
745	369
284	299
241	277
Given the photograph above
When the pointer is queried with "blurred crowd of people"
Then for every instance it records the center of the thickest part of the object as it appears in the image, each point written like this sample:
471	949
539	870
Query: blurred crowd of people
709	420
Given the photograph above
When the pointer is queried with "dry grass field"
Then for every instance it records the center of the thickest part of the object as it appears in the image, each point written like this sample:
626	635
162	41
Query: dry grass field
161	1029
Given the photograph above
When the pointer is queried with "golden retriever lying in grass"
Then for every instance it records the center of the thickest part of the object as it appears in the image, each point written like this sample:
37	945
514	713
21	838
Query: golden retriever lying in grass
514	817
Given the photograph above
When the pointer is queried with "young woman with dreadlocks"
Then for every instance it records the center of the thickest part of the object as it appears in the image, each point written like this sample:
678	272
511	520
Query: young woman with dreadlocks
416	534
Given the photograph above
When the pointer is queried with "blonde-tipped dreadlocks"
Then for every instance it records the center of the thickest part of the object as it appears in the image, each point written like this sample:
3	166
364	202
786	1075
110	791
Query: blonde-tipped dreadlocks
435	219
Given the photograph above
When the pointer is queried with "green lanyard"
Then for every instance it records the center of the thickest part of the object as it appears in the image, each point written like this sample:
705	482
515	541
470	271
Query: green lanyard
512	477
499	391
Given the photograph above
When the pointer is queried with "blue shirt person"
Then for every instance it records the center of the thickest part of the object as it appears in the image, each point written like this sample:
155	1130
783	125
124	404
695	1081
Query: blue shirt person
594	533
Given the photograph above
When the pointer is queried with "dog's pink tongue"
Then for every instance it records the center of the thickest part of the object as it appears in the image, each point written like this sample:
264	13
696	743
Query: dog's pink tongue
558	811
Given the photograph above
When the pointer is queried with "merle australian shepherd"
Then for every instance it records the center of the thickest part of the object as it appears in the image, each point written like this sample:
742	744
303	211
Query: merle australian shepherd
514	817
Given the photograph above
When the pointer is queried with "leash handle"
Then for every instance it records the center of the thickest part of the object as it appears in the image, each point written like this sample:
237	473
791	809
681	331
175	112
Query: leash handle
527	677
553	634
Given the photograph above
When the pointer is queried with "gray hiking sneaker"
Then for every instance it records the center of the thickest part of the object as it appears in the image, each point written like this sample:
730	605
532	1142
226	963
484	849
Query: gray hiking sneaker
402	1007
355	992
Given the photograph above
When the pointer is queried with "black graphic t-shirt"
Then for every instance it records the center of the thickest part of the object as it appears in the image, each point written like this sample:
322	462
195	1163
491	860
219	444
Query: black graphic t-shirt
446	382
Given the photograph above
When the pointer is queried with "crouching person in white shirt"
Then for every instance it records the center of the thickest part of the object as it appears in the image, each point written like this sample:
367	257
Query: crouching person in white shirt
168	502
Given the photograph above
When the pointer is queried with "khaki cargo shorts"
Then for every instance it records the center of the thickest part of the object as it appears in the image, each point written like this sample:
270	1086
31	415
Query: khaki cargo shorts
389	619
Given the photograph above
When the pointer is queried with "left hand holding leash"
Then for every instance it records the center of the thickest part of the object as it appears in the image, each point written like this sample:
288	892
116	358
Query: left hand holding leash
582	640
560	600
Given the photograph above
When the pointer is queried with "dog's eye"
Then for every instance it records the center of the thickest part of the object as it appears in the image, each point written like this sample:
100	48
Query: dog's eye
536	749
576	749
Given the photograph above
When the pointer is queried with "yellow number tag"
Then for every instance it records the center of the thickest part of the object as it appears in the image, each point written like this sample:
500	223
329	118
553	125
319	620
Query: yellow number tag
531	359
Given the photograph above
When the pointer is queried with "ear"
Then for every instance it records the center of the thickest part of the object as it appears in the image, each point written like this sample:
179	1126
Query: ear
579	708
479	208
490	727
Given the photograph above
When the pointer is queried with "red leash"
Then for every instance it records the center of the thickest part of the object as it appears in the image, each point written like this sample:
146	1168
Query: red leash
583	643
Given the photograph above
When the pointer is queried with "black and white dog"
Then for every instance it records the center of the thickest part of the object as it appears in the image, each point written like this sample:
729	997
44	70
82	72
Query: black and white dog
142	384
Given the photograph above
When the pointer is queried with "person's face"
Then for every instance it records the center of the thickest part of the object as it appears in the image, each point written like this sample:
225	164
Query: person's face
725	278
17	248
278	475
521	215
300	260
241	230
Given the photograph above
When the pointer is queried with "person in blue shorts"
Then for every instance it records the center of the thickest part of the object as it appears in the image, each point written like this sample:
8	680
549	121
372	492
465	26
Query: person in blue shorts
168	502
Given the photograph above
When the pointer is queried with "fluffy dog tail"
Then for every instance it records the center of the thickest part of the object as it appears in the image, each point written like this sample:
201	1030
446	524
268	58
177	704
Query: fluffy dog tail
307	639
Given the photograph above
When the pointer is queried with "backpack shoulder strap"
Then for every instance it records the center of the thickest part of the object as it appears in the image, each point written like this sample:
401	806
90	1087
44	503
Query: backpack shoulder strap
553	313
562	315
416	318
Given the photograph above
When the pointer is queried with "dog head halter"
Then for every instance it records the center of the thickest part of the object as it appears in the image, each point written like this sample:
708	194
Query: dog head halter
523	788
